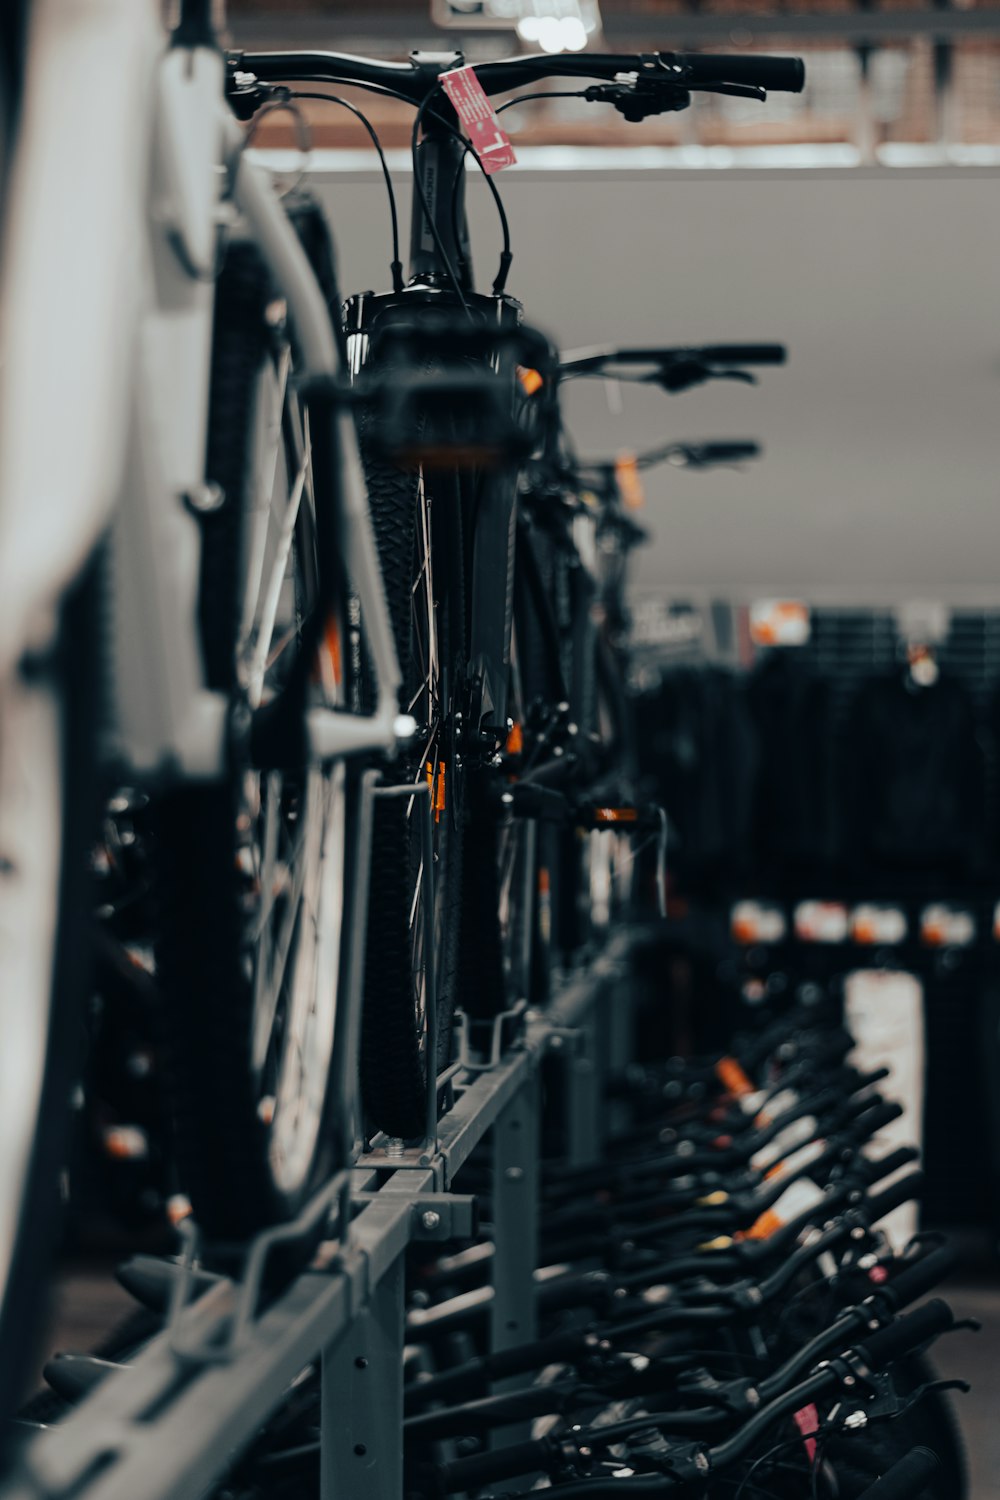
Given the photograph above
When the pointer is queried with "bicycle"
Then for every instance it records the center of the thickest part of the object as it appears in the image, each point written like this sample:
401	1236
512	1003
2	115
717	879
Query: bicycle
435	336
177	620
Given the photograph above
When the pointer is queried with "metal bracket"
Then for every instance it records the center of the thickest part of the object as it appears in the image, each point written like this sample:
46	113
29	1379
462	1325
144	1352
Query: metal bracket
200	1350
439	1216
564	1039
495	1055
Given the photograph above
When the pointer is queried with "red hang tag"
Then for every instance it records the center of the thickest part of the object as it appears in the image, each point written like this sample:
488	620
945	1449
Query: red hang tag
807	1421
489	139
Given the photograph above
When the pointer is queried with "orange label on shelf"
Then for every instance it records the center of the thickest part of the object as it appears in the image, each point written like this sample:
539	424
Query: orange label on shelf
779	622
732	1076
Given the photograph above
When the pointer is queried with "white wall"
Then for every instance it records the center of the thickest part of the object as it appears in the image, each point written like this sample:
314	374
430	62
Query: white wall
881	478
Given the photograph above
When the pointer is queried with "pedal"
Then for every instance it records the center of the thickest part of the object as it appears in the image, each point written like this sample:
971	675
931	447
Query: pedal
150	1280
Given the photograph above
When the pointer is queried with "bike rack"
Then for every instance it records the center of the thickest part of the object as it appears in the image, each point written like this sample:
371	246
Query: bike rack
170	1423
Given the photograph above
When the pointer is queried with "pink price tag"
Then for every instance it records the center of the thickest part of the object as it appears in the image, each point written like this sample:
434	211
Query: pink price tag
806	1420
489	139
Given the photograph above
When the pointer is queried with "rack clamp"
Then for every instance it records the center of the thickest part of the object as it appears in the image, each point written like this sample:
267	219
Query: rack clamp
502	1034
386	1154
226	1339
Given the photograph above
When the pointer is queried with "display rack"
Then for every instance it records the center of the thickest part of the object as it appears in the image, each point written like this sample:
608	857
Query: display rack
170	1423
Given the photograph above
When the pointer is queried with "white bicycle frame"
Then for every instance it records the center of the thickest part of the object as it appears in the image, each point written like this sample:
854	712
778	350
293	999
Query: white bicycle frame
128	168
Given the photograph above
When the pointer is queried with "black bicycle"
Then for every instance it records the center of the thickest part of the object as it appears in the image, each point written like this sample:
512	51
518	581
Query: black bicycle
446	419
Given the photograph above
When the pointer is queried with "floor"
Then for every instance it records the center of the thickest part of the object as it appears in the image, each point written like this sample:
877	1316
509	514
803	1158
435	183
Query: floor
976	1357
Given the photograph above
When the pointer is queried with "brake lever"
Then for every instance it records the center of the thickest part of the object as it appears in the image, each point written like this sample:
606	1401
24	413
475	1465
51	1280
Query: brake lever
735	90
686	373
639	98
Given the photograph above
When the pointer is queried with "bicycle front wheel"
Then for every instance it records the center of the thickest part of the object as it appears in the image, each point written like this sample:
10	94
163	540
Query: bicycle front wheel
419	536
253	868
46	819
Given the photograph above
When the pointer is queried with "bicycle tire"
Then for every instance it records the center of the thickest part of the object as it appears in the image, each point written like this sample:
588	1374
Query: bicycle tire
231	1097
393	1034
501	947
53	774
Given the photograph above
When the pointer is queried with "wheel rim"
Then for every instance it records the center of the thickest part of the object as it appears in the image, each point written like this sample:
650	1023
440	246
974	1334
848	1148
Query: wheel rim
427	706
292	826
516	847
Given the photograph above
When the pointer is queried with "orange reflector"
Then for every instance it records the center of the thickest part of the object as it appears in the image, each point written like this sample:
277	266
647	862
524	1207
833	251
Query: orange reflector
437	788
616	814
126	1143
331	639
531	380
178	1208
515	740
629	482
544	882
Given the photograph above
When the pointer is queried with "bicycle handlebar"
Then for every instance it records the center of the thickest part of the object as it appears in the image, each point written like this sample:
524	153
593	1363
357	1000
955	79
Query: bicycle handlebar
906	1479
877	1205
919	1277
417	79
783	75
595	360
906	1334
744	354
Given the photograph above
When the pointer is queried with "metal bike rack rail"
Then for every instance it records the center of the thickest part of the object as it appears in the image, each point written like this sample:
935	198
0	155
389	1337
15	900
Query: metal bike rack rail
173	1421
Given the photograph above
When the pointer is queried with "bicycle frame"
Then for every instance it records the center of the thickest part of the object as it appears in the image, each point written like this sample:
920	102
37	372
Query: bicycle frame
104	388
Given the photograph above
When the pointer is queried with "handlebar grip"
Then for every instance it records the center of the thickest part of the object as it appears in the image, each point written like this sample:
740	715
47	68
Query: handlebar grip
525	1357
872	1118
578	1289
725	453
743	354
894	1196
906	1334
481	1469
878	1171
784	75
906	1479
921	1276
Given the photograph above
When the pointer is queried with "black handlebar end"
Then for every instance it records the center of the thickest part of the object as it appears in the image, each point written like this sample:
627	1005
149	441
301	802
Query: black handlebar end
907	1334
906	1479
